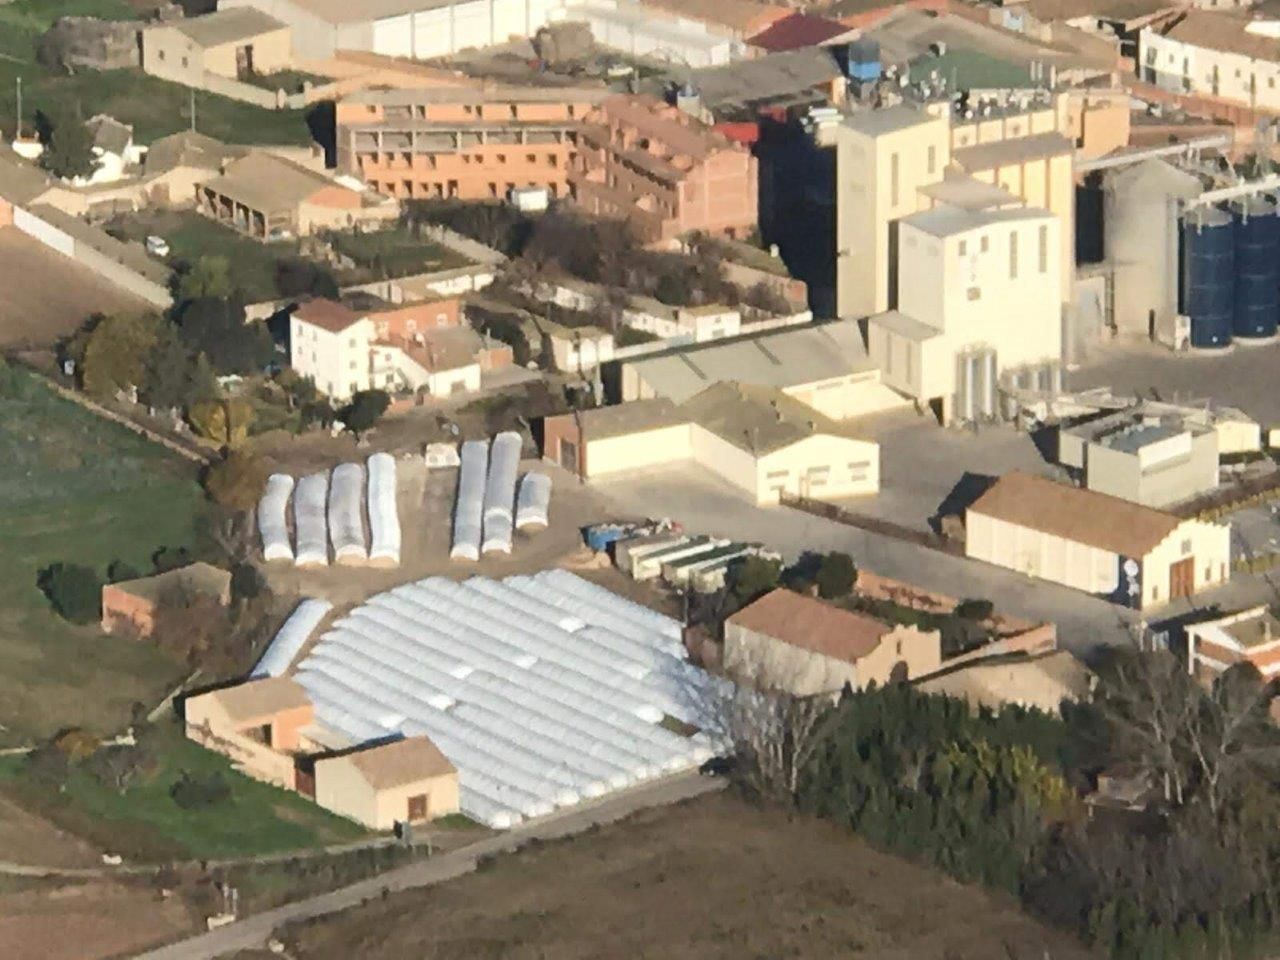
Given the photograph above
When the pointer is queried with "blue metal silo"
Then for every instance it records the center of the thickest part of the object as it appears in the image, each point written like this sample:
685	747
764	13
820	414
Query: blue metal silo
1257	290
1208	249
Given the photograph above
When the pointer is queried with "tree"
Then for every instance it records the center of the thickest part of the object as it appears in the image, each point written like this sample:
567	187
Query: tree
752	576
207	278
295	277
364	410
166	380
115	355
67	144
74	591
202	382
218	329
836	576
319	413
225	422
121	570
237	482
170	558
247	582
974	609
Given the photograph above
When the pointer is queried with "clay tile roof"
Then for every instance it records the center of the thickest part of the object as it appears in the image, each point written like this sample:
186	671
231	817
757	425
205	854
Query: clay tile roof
326	314
1223	32
247	702
812	625
401	762
1081	516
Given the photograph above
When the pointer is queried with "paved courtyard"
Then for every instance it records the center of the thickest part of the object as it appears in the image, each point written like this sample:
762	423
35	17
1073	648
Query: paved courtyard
1245	377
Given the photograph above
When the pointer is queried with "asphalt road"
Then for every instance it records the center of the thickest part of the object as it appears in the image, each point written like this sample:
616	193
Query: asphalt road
256	930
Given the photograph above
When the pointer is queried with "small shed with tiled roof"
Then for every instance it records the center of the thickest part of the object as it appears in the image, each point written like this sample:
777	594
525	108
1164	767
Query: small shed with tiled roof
405	780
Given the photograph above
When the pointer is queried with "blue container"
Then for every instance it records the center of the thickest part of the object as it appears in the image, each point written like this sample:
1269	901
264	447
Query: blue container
599	537
864	61
1257	289
1208	249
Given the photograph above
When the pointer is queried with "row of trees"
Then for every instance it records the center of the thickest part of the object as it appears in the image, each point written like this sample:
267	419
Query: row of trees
994	798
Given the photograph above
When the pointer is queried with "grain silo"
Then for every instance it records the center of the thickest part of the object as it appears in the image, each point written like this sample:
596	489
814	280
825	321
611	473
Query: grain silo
1257	269
1209	276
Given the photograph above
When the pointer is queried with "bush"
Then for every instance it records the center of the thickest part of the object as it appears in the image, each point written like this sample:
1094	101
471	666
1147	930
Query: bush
75	744
194	793
74	591
237	482
972	609
121	570
836	576
246	582
364	410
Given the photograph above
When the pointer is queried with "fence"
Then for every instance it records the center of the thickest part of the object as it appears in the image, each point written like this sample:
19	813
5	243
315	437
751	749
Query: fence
887	528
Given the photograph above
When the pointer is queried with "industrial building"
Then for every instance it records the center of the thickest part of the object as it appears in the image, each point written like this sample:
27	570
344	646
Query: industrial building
1141	456
419	29
900	160
234	43
461	142
503	699
807	647
824	366
1248	636
1133	555
758	439
978	302
665	172
1229	55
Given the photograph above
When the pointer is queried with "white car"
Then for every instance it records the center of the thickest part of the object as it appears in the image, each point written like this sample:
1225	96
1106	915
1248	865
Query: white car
157	246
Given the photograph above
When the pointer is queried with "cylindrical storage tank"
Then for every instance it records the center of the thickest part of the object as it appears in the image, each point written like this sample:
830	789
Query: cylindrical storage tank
1208	249
1257	291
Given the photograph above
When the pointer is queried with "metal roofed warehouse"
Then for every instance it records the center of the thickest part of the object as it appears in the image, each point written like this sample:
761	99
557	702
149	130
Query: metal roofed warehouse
541	690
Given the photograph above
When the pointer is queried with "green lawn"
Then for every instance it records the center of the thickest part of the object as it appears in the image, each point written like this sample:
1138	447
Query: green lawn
395	252
154	107
192	236
75	488
144	823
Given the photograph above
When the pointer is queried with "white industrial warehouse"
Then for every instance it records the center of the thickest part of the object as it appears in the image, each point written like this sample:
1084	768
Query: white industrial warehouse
540	691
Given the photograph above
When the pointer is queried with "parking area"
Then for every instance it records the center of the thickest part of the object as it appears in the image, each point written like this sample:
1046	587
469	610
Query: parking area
925	469
1244	377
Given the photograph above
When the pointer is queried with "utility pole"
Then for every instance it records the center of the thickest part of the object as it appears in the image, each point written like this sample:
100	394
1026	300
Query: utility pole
17	134
193	109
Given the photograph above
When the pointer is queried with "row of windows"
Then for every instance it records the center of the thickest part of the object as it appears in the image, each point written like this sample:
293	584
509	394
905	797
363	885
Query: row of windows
931	166
1042	253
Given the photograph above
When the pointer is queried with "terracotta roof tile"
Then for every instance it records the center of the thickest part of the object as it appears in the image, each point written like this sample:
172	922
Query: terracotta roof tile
401	762
813	625
326	314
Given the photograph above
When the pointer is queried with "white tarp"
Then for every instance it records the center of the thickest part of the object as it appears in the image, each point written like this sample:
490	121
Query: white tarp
533	501
295	632
346	523
468	511
309	520
440	455
272	522
384	521
500	492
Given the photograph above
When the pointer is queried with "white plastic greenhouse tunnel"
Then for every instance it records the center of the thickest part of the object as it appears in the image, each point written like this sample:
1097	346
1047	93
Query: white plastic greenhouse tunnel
468	510
290	638
346	521
309	503
273	525
384	521
543	691
500	492
533	502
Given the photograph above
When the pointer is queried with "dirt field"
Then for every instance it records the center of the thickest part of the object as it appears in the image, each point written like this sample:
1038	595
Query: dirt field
91	921
711	879
47	295
32	840
425	504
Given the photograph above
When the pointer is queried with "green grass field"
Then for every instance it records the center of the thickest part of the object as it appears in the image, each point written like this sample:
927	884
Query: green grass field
192	236
144	823
74	488
394	253
154	107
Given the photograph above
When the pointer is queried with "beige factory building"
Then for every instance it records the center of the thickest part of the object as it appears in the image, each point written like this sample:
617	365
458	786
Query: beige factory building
900	160
785	641
233	44
756	438
824	366
1133	555
1139	456
977	296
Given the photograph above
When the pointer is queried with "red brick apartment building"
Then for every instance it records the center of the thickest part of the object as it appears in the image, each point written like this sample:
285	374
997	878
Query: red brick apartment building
665	171
463	143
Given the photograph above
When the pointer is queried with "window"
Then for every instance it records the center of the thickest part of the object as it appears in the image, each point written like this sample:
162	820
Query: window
777	474
1044	248
974	293
858	469
352	364
1013	255
933	159
982	244
184	63
531	157
352	342
893	180
1186	547
162	57
514	111
964	247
